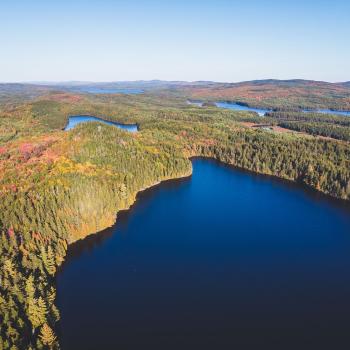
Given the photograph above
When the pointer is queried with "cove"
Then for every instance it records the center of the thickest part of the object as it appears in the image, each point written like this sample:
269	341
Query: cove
221	260
78	119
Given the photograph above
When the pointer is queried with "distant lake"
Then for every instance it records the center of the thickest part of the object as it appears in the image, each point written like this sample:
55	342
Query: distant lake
328	111
78	119
97	90
223	260
238	107
232	106
261	111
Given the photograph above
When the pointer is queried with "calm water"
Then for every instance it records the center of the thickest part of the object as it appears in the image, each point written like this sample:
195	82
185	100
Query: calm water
238	107
232	106
222	260
77	119
260	111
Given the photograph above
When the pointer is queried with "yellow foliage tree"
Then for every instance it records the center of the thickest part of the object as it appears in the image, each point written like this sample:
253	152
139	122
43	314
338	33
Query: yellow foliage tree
47	335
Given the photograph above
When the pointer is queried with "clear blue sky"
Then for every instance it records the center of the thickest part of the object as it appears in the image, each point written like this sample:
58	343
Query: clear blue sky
221	40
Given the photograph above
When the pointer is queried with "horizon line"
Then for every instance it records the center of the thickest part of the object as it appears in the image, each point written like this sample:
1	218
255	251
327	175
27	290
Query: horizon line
48	82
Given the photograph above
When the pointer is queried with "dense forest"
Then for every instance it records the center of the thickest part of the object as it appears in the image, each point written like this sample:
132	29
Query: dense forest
328	125
54	184
272	94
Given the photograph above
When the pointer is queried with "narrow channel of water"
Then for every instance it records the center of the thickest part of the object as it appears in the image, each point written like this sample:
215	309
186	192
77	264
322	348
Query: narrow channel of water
78	119
261	111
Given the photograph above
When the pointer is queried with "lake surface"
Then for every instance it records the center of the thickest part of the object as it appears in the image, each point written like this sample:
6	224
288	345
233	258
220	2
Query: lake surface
261	111
238	107
232	106
78	119
222	260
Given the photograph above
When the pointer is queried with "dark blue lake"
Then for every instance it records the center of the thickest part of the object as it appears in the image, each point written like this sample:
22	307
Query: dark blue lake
78	119
223	260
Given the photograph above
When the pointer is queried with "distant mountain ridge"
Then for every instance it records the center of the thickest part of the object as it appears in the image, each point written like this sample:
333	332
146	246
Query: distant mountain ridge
179	82
266	93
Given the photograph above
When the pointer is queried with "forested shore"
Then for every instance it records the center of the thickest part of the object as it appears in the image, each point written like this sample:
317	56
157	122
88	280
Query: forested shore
57	187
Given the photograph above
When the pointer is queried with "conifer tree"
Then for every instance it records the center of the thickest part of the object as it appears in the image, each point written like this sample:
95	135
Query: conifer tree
29	287
9	267
47	335
48	260
36	311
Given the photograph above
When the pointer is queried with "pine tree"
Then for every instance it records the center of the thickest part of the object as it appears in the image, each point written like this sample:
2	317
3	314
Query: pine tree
51	296
48	260
47	335
36	312
29	287
9	267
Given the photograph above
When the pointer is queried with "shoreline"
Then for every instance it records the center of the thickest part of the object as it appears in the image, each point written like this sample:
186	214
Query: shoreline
74	248
287	182
101	119
131	204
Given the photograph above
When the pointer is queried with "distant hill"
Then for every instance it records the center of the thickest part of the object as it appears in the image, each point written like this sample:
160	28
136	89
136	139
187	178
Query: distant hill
18	91
273	93
267	93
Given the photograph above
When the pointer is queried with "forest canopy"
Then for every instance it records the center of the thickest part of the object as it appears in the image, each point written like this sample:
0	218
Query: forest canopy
54	184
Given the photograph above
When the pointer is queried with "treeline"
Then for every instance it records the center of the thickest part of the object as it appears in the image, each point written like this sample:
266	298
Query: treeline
337	127
321	129
320	164
299	103
298	160
289	115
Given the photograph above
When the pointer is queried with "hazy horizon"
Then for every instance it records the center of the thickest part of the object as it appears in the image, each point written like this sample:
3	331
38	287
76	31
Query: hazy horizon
222	41
48	82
